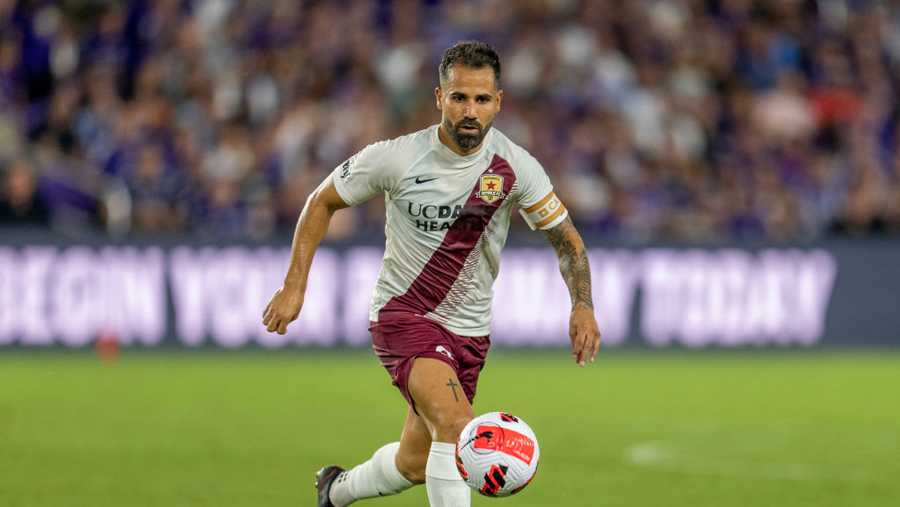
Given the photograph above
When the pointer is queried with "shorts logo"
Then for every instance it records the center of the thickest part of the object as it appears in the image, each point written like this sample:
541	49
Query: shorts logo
441	350
490	187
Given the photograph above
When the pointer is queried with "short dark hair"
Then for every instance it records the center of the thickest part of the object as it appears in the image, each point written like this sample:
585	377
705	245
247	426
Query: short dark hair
470	53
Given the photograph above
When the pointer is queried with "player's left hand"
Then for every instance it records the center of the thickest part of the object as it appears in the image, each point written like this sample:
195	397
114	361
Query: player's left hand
584	334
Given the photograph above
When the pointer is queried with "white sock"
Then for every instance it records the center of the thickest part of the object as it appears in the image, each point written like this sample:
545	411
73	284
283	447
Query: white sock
442	481
377	477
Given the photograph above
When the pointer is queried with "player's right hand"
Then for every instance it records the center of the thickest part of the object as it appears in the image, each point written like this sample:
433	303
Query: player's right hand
584	334
282	309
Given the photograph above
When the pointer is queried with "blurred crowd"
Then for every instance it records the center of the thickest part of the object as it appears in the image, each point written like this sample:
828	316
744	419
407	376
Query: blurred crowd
688	120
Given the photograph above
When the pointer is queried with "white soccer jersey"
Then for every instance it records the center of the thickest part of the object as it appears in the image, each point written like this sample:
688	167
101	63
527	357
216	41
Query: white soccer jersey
447	220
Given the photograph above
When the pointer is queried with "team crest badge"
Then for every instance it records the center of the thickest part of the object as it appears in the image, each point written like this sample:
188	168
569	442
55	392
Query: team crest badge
490	188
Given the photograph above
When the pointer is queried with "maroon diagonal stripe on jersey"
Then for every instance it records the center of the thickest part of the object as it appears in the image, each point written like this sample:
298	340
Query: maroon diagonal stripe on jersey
440	272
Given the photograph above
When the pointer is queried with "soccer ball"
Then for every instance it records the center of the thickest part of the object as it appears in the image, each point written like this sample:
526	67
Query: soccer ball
497	454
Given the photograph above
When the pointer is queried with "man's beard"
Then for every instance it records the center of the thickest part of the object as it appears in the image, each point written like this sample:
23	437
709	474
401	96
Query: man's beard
465	140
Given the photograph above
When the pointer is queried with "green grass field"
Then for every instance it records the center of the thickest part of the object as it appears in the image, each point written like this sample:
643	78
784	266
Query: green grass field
635	429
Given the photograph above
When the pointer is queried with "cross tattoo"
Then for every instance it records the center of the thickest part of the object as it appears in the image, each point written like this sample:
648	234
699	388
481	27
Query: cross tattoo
453	385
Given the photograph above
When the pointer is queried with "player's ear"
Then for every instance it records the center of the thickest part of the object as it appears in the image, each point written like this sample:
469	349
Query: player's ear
499	99
438	97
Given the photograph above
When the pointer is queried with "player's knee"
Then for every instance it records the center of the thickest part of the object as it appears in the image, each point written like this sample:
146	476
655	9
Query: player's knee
412	466
448	428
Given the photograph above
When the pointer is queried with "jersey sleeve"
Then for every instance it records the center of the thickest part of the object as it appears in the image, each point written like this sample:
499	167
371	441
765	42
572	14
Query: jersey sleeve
538	203
370	172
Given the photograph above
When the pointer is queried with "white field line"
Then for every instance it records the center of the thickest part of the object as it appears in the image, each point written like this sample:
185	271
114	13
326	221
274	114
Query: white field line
657	454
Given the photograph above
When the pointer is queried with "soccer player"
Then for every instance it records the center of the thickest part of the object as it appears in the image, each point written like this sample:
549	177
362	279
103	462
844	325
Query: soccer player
449	192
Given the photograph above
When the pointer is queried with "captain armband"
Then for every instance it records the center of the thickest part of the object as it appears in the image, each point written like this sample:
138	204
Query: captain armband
544	214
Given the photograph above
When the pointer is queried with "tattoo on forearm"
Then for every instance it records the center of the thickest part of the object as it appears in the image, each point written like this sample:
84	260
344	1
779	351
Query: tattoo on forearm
453	385
573	261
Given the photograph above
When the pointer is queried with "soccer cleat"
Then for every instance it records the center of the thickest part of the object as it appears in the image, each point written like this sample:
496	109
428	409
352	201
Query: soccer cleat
324	478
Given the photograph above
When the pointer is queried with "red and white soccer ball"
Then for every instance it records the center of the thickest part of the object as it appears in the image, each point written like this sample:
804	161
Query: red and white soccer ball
497	454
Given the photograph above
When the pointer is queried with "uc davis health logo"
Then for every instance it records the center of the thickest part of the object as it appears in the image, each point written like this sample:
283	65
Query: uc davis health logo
490	187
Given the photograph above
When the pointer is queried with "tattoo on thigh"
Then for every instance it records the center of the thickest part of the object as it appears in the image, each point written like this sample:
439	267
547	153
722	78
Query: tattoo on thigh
453	385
